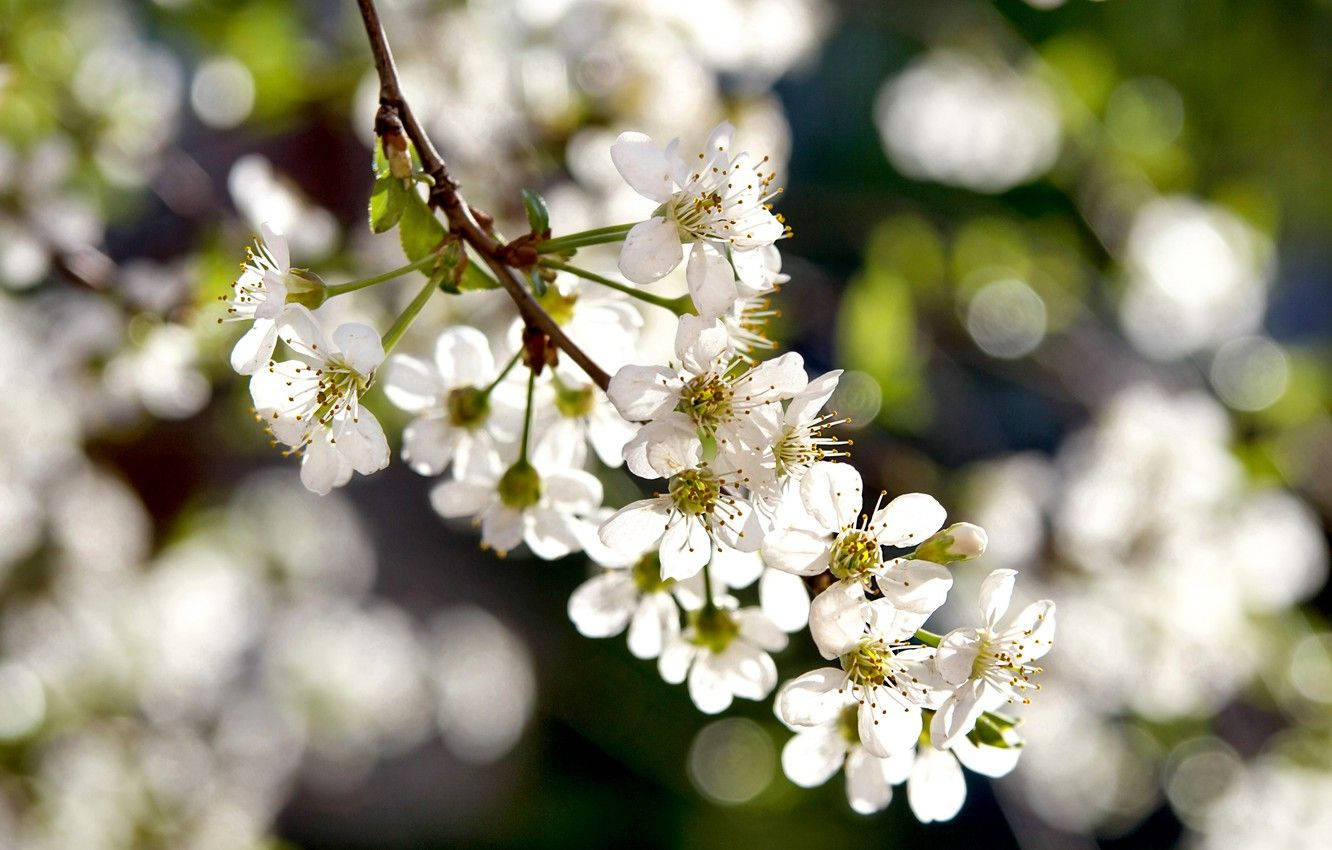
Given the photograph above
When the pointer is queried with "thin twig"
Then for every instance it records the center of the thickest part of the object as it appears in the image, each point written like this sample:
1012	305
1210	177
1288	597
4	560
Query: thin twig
444	196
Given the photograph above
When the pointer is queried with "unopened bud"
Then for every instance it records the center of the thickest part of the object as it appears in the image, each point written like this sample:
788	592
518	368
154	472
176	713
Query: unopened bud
304	287
961	541
395	151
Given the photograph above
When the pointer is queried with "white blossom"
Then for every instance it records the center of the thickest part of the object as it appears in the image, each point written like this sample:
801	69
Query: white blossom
456	418
312	403
723	655
259	296
542	506
717	201
684	521
819	527
988	665
707	394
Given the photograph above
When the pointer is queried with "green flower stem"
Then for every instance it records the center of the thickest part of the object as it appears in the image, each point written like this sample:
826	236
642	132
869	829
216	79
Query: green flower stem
928	638
527	418
513	361
343	288
404	320
679	306
708	604
583	238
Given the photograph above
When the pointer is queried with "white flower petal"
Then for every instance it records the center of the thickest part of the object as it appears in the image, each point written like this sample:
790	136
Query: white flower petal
255	348
837	618
656	620
276	243
572	490
1034	629
957	716
700	343
814	699
360	345
756	628
798	551
783	597
916	586
775	379
831	492
463	358
936	789
908	520
887	727
956	654
708	687
634	528
987	761
810	758
601	606
995	593
806	404
675	659
428	443
749	671
550	534
867	787
452	499
323	467
643	166
502	528
651	250
685	548
644	392
411	384
711	280
362	442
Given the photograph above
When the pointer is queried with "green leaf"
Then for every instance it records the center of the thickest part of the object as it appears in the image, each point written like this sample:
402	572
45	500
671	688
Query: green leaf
538	282
388	199
474	277
419	229
380	164
992	730
537	214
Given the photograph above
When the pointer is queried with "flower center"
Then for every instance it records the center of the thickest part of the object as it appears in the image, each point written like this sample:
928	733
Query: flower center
467	407
854	554
647	575
848	724
870	664
558	306
714	629
573	402
707	400
520	486
338	386
695	491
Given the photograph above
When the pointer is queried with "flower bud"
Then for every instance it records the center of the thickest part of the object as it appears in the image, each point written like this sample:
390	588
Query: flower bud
960	541
306	288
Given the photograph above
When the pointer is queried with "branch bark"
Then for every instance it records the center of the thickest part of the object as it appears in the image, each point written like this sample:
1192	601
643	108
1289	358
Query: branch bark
463	220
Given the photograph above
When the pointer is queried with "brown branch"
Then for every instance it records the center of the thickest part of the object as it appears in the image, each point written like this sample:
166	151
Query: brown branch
444	196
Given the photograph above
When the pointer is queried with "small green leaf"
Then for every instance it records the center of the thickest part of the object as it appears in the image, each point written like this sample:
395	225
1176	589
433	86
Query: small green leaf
537	214
381	163
538	282
992	730
388	198
474	277
419	229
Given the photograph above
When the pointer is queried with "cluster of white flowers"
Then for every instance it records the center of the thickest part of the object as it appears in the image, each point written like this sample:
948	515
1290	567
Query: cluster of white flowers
1178	574
754	487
